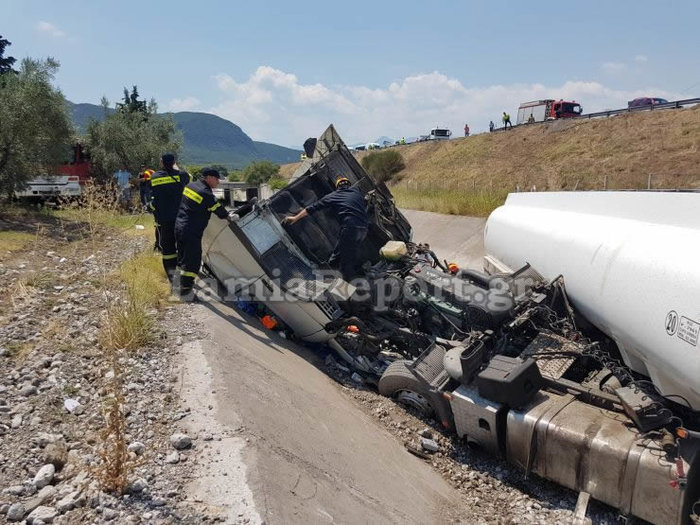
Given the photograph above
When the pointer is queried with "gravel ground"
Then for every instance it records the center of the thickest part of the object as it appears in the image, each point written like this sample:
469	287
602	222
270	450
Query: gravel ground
54	380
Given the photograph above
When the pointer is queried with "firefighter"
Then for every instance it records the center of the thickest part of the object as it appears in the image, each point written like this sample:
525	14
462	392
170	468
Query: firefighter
348	204
145	185
145	194
166	194
197	205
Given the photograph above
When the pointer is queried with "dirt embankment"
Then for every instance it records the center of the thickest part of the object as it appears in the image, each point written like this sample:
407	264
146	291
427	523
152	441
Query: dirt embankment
562	155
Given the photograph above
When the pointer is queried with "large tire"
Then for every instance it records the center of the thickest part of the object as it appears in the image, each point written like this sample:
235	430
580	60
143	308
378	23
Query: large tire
399	383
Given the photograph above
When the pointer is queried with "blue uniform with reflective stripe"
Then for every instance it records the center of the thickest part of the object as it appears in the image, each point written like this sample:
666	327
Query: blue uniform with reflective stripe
348	204
166	191
164	201
197	205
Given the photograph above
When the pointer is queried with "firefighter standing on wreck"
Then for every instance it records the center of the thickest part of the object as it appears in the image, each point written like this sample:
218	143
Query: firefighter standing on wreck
198	203
166	192
348	203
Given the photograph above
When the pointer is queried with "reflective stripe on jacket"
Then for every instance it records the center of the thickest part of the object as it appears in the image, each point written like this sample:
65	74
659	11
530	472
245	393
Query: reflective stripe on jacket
198	203
166	193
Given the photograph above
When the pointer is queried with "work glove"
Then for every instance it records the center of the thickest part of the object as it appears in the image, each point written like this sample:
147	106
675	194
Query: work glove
233	216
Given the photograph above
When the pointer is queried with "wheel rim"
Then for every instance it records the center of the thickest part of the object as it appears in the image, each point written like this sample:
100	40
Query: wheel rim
415	400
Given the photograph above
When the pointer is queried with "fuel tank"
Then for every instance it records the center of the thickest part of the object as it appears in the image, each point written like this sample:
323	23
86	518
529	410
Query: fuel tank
631	264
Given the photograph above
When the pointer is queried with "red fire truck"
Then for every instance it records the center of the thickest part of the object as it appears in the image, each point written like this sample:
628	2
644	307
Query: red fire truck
78	165
541	110
65	180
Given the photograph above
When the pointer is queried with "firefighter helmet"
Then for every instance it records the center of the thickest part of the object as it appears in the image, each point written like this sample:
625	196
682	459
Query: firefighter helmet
341	181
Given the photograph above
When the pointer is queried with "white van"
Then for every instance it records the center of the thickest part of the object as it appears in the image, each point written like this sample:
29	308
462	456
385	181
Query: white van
439	134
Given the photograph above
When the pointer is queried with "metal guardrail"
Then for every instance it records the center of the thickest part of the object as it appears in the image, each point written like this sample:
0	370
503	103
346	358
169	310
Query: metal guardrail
668	105
611	112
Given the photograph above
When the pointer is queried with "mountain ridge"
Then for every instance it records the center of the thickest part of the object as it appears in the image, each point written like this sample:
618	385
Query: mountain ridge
208	138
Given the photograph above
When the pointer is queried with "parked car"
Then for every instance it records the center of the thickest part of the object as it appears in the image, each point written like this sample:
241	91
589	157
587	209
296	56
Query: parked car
643	102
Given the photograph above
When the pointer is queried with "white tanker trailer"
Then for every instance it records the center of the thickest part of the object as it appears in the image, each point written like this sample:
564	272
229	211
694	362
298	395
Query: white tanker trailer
631	263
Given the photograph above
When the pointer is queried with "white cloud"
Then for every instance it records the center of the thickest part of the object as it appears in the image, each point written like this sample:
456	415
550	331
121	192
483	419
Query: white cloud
50	29
613	67
274	106
640	59
183	104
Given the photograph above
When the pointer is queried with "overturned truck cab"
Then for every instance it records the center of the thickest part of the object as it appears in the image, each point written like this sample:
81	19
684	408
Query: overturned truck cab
504	357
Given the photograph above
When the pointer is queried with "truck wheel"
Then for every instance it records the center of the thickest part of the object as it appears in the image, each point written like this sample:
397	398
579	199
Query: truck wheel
399	383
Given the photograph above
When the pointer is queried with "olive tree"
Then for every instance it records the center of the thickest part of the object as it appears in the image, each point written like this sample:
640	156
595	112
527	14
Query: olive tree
260	171
35	128
130	137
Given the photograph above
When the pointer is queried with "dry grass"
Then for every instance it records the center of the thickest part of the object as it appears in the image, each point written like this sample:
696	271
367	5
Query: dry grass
287	170
451	202
125	223
20	350
145	279
618	153
115	467
13	241
127	326
27	285
567	155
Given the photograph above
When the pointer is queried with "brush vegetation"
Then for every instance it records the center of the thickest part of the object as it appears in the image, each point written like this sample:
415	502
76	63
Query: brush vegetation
451	202
129	324
383	165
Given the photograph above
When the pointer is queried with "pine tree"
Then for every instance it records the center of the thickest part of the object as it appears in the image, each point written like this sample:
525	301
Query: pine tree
5	62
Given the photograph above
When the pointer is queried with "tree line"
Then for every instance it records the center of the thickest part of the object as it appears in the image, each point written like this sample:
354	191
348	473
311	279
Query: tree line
37	132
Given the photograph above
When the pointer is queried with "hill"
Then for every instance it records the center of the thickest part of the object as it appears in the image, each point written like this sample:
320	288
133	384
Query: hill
472	175
567	154
208	139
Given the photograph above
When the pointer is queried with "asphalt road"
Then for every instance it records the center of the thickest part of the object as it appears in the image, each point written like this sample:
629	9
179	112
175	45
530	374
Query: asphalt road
453	237
296	449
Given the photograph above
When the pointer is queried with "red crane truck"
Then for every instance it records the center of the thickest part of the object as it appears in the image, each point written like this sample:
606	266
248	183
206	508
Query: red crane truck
541	110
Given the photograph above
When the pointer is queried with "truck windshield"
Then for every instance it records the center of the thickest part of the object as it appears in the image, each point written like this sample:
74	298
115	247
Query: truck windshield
571	108
441	132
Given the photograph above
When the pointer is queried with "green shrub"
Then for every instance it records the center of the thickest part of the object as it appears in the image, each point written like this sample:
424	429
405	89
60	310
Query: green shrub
259	172
194	171
383	165
277	183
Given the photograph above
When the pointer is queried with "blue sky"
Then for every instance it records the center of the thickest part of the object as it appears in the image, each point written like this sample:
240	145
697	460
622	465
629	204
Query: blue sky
283	70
